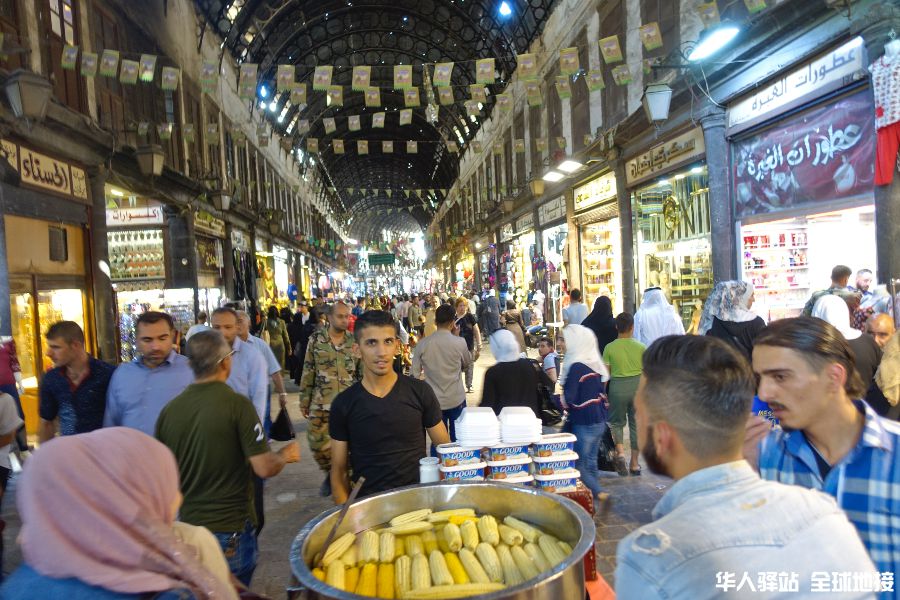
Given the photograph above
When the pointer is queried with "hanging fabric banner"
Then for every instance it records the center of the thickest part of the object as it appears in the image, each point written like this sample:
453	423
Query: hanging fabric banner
595	80
373	97
389	193
312	145
148	67
337	146
610	49
498	148
709	13
540	144
755	6
330	125
563	88
568	61
165	130
298	93
411	97
452	147
362	147
169	78
472	108
519	146
353	123
89	62
527	66
406	116
69	57
412	147
128	72
504	101
247	81
387	146
533	93
378	120
622	75
445	96
238	136
406	192
188	131
335	95
476	92
442	74
109	63
322	77
143	128
477	146
651	37
303	126
361	78
485	71
262	136
561	143
284	78
402	77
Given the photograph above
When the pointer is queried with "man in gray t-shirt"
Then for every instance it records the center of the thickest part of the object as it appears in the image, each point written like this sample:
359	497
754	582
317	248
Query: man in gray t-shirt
577	311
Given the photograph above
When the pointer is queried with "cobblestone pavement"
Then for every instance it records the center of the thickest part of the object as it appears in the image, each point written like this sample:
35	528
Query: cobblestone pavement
292	499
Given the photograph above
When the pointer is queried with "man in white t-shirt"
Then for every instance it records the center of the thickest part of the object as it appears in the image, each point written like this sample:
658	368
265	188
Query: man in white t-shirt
577	311
549	358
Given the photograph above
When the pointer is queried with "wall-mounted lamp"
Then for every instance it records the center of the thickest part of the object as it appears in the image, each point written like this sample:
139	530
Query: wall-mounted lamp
537	187
28	94
150	160
656	100
221	200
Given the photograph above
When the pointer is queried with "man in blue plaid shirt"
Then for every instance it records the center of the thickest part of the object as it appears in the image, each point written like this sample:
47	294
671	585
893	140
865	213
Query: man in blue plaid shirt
829	440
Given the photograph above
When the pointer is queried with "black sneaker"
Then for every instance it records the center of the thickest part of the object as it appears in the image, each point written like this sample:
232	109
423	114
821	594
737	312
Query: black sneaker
325	488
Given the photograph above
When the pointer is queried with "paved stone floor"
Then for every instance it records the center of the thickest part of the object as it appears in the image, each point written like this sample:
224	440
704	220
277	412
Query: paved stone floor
291	499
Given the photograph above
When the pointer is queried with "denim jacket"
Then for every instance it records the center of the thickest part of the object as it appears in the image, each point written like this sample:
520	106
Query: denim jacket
724	532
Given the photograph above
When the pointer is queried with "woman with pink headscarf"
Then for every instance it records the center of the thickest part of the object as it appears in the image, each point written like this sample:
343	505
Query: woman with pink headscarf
98	521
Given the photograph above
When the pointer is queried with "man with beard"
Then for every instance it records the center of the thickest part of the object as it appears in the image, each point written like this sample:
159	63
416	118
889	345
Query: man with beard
692	405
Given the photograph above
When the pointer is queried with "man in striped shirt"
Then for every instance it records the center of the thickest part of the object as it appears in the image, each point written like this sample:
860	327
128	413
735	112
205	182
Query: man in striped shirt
828	440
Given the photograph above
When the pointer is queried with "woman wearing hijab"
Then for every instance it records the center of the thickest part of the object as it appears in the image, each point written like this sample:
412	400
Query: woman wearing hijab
513	381
833	309
583	377
95	526
727	316
295	333
656	318
279	341
602	322
511	319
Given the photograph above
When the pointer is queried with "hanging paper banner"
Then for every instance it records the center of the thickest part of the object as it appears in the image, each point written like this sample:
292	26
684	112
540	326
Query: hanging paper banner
561	143
406	116
148	67
298	93
262	136
519	146
412	147
406	192
527	66
335	95
378	120
595	80
284	78
362	191
587	140
477	146
504	102
128	72
212	134
362	147
69	57
568	61
238	136
322	77
109	63
622	75
651	37
312	145
143	128
533	93
330	125
498	148
540	144
611	50
89	62
209	76
563	88
709	13
389	193
362	76
442	74
485	71
303	126
165	130
476	92
755	6
247	81
402	77
411	97
337	146
351	190
354	123
387	146
417	193
445	96
452	147
472	108
373	97
169	78
647	65
187	130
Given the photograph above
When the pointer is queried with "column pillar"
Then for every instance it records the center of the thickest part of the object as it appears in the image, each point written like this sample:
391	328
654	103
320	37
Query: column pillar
721	210
626	230
104	306
228	255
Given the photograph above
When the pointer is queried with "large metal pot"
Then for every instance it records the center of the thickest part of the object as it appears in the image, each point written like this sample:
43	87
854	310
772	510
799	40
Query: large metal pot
556	515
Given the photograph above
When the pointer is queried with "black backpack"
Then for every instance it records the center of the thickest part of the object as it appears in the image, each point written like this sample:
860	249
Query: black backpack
550	414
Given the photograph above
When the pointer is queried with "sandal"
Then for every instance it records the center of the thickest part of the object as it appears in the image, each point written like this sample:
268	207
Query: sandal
635	472
621	467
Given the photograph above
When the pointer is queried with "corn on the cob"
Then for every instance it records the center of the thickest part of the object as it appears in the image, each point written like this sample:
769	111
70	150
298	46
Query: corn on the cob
443	515
368	577
351	556
535	553
440	573
402	575
420	577
399	546
473	568
368	547
526	566
410	517
334	575
469	533
410	528
511	573
337	548
457	571
384	584
386	547
565	547
447	592
550	546
488	531
351	579
453	537
442	544
460	519
429	542
531	534
319	574
488	558
414	545
510	536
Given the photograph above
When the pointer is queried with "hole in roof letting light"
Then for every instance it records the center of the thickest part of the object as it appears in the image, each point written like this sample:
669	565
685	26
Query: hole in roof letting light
273	105
263	92
505	10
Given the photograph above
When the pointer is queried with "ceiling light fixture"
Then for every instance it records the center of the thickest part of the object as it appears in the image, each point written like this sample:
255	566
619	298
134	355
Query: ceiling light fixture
713	39
569	166
553	176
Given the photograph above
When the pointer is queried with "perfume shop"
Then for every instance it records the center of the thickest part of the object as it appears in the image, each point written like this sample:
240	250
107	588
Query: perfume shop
209	233
803	180
550	272
516	263
669	189
600	240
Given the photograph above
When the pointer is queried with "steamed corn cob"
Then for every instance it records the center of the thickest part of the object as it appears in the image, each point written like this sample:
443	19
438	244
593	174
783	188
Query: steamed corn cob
351	556
420	577
460	519
334	575
488	558
440	573
410	528
368	548
510	536
447	592
402	575
535	553
351	578
319	574
457	571
469	533
399	546
526	566
386	547
488	531
565	547
473	568
511	574
443	515
414	545
368	580
384	581
337	548
410	517
550	546
453	537
531	534
429	541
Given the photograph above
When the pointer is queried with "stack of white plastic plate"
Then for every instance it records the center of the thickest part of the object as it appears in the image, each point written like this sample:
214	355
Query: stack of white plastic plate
518	425
477	427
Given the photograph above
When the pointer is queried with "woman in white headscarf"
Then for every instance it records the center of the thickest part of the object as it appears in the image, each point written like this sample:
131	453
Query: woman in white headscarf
513	381
656	318
727	316
834	309
583	379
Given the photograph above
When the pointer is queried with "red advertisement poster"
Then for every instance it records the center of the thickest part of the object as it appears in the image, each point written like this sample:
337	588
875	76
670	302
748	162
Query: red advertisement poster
825	153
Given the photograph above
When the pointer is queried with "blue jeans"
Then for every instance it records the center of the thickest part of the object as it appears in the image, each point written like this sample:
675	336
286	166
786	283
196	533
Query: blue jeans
449	418
240	551
587	445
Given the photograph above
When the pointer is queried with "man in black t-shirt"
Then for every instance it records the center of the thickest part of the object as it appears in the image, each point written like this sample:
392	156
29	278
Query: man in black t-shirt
468	330
377	424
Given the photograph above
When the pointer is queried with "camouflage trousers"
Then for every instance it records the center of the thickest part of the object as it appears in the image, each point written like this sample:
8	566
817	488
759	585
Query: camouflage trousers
317	435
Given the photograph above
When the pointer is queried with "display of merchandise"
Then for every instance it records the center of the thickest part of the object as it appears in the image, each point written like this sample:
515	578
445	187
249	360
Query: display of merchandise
179	304
600	261
136	254
775	261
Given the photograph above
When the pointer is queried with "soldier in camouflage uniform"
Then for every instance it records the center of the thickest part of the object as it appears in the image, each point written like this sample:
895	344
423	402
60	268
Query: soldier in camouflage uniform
328	369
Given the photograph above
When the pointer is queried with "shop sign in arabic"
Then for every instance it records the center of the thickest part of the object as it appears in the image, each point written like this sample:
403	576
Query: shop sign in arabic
43	172
552	210
823	154
595	191
206	223
524	223
818	77
507	232
677	151
150	214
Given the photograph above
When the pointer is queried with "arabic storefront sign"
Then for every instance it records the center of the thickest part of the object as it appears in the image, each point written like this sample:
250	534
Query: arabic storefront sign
150	213
686	147
45	173
209	253
816	78
595	191
823	154
525	223
240	240
552	210
206	223
507	232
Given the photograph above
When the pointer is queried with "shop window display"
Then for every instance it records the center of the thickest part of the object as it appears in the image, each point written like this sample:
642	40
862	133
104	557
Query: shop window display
601	262
136	254
554	245
132	302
